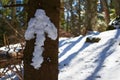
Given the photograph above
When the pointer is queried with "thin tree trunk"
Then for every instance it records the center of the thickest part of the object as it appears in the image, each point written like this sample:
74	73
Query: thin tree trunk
62	14
13	10
72	17
79	12
48	70
13	15
106	10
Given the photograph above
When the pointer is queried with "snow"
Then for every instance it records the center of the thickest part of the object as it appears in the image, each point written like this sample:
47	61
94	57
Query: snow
115	22
38	26
80	60
11	75
12	48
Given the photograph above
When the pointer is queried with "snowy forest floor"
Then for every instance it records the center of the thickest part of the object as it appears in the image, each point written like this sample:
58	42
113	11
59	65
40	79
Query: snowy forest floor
81	60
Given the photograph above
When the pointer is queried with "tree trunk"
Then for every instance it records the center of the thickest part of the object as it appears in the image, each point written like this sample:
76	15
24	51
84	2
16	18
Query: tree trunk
48	70
62	20
106	11
79	13
90	15
13	11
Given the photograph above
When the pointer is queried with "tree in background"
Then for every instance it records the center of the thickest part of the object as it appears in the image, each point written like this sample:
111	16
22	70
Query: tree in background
72	16
80	15
90	15
48	70
14	21
62	20
106	11
75	17
117	7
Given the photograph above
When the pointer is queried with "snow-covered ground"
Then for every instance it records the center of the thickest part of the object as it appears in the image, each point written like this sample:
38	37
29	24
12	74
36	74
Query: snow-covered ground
11	72
79	60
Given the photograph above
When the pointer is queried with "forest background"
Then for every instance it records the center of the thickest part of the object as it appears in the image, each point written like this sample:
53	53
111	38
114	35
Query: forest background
76	17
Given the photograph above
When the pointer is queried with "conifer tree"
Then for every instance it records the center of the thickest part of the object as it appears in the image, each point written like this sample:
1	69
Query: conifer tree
49	69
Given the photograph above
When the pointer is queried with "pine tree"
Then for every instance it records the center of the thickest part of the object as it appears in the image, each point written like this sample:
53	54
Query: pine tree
49	69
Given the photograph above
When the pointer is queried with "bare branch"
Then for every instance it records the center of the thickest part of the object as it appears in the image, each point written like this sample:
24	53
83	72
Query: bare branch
14	5
10	25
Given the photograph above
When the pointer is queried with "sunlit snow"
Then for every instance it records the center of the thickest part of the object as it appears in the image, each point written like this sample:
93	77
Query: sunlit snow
80	60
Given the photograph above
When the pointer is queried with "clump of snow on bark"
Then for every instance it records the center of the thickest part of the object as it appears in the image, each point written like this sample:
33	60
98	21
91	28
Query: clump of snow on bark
39	25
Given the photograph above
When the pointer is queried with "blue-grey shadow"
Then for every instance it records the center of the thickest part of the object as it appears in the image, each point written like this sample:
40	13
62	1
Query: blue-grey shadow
72	44
72	56
62	43
102	56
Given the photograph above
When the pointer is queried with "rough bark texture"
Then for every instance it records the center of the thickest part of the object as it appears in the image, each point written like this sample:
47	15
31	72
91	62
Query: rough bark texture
48	70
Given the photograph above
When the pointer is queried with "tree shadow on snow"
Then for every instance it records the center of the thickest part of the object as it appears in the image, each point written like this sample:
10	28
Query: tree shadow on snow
73	55
103	55
62	43
72	44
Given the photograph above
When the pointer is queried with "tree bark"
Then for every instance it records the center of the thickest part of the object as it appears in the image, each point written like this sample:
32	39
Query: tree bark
49	69
90	15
